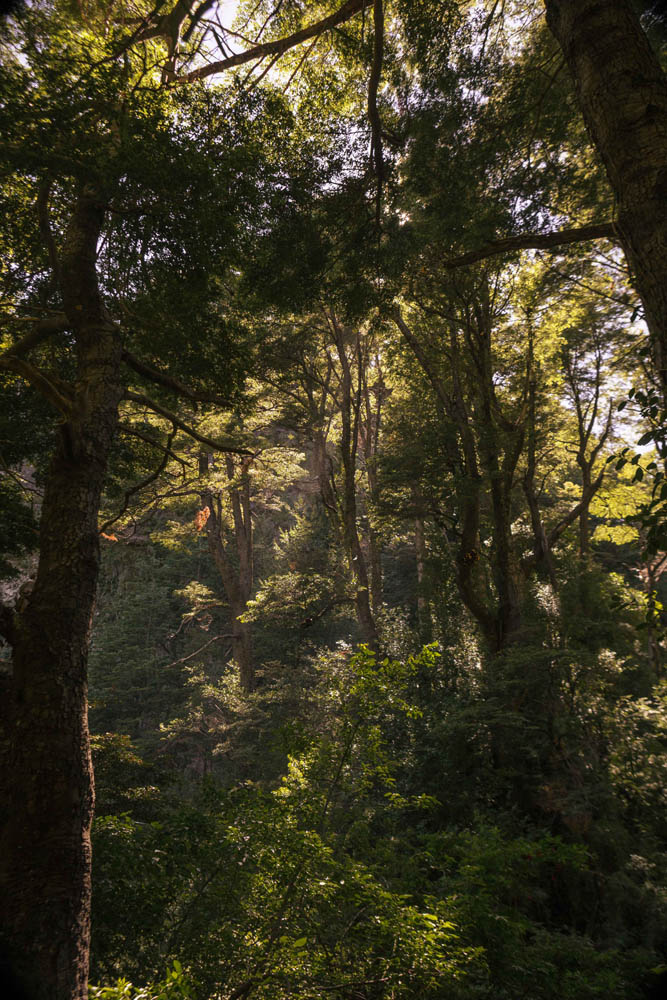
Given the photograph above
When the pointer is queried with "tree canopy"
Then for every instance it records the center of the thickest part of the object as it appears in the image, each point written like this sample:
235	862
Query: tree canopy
332	481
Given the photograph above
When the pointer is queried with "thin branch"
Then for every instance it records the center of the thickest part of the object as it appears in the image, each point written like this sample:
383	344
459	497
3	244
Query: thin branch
142	484
133	432
192	615
42	330
267	68
301	62
307	622
416	348
54	390
162	411
169	382
190	656
43	196
279	45
536	241
574	513
373	113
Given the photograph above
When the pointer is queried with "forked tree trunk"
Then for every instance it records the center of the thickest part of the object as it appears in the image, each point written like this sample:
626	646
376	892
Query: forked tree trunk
47	782
622	93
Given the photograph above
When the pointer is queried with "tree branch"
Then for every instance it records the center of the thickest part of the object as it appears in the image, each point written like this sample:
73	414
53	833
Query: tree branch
142	484
43	196
373	113
279	45
184	659
536	241
134	432
42	330
54	390
574	513
162	411
416	348
307	622
169	382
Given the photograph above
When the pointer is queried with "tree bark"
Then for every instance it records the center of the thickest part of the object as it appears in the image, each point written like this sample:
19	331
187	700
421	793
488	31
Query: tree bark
237	580
45	852
350	412
622	93
424	619
370	434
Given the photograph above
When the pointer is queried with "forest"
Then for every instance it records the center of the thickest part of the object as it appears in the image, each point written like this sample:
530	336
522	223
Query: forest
333	534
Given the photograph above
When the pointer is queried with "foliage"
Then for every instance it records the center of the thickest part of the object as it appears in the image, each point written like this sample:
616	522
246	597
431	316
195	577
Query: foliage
478	817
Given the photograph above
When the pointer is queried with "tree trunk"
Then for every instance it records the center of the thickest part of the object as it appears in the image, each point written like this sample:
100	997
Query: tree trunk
242	649
237	580
323	471
350	412
45	844
424	620
370	435
622	93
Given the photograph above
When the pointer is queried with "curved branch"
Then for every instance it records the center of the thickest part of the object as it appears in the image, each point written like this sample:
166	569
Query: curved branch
42	330
279	45
536	241
133	432
184	659
162	411
373	113
54	390
43	196
142	484
169	382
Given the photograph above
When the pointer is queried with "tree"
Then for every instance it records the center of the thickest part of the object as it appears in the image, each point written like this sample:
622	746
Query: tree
99	103
622	93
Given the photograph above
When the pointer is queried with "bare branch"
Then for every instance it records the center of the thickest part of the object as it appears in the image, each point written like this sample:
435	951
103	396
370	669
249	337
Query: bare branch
169	382
42	330
162	411
279	45
134	432
307	622
373	113
54	390
142	484
184	659
536	241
